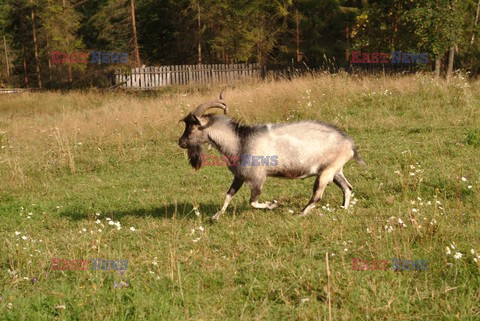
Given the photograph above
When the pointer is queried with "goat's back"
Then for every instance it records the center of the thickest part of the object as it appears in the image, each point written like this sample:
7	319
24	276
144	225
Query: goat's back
306	144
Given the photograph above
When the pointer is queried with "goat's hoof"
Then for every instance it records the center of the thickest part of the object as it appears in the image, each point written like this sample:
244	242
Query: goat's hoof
271	205
215	217
302	214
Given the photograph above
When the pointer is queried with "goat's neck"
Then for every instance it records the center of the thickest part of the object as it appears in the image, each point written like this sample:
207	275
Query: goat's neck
223	138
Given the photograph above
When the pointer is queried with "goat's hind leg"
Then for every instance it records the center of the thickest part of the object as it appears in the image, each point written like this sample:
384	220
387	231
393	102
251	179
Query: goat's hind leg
236	185
340	180
322	180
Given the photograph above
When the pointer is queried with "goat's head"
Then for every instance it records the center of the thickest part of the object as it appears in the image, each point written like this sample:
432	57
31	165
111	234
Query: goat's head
194	135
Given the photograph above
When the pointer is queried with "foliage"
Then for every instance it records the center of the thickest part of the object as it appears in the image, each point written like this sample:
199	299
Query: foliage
235	31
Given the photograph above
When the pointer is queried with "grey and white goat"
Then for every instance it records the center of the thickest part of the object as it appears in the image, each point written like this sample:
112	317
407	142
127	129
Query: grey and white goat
303	149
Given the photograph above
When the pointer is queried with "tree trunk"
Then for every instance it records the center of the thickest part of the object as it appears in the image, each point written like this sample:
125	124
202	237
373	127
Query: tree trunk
394	30
25	67
199	35
475	23
135	41
451	55
297	33
437	67
70	78
347	47
69	67
35	48
6	58
49	59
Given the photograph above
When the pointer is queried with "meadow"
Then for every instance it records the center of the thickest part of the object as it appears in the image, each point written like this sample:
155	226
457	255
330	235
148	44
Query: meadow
90	174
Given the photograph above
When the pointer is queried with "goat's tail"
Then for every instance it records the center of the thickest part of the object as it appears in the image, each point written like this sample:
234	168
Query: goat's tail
357	157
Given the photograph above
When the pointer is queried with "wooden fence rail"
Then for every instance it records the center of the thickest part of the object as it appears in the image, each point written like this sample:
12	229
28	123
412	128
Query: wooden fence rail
155	77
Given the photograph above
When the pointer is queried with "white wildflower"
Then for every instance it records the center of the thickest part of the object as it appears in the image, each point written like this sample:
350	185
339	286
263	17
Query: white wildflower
464	179
304	300
457	256
132	229
197	212
24	237
447	250
17	233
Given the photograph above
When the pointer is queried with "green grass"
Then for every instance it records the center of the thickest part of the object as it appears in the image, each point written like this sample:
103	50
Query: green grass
65	158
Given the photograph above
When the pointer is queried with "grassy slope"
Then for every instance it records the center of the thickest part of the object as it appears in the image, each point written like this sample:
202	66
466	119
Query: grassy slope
65	157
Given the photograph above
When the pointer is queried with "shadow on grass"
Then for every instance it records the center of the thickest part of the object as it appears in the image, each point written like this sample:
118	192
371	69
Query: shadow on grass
181	210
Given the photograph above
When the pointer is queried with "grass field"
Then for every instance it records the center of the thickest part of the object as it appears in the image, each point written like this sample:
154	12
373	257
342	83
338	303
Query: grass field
70	163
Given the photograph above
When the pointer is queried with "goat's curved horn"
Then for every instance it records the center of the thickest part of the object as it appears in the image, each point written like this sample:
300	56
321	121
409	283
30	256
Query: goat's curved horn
211	104
221	94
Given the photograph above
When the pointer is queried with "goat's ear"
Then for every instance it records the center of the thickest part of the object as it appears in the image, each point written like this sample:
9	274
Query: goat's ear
199	121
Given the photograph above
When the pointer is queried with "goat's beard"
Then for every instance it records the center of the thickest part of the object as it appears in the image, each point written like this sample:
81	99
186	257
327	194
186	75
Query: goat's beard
195	156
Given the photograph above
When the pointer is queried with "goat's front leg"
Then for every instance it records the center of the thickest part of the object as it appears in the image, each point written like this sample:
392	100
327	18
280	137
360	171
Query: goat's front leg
256	191
236	185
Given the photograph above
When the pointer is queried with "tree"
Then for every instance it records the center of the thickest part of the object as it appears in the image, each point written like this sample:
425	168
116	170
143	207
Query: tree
434	22
60	25
116	26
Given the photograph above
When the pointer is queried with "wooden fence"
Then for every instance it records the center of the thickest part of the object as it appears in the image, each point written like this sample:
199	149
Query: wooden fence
13	90
155	77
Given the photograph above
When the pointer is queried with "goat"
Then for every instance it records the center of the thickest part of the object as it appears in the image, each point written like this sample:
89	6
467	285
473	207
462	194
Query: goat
303	149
